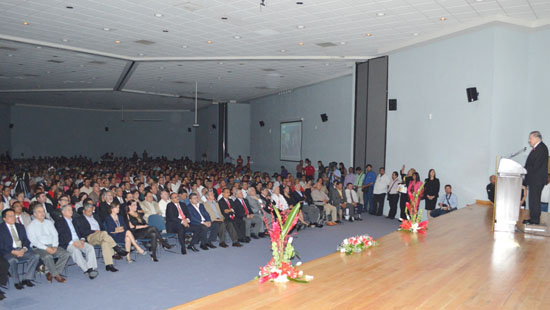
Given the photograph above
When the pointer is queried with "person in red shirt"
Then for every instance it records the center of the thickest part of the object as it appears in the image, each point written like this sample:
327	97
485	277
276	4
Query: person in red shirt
239	162
309	170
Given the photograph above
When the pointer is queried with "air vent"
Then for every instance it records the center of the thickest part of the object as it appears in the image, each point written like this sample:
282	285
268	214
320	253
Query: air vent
179	82
56	61
97	62
144	42
268	70
326	44
7	48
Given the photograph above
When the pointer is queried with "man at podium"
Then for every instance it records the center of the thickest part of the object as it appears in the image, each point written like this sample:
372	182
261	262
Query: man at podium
537	175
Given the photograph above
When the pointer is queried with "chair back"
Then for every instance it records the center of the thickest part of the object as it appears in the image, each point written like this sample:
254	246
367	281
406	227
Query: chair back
157	221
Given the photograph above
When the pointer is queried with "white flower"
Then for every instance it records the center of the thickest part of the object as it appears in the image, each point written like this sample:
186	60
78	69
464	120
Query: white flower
309	278
281	279
346	241
301	273
298	264
290	240
342	250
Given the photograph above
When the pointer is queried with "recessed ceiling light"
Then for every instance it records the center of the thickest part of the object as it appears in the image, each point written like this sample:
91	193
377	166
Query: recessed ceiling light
369	34
107	29
158	15
184	46
81	66
10	55
209	42
141	54
283	50
327	64
479	0
443	19
220	63
301	43
415	34
164	30
380	14
343	43
161	68
117	41
237	37
26	23
301	26
39	47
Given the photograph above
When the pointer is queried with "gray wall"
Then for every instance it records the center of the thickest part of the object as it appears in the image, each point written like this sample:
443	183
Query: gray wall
330	141
5	137
56	132
508	66
238	130
206	137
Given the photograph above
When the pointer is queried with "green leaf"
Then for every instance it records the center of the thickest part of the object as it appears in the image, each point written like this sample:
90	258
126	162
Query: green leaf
297	280
278	216
290	219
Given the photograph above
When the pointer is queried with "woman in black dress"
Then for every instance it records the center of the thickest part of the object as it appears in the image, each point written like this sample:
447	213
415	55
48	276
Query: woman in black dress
141	230
431	190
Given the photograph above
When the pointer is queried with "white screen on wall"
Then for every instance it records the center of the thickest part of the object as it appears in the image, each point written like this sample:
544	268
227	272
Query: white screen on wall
291	141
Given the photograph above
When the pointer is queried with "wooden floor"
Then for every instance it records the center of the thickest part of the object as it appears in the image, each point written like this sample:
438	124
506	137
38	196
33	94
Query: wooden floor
458	264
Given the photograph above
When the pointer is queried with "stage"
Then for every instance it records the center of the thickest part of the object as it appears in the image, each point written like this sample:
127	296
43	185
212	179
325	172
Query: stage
458	264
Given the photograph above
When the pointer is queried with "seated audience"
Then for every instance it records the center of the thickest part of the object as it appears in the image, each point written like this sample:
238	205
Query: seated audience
279	201
45	241
177	221
228	208
352	200
149	206
256	208
92	230
447	203
15	247
82	253
20	216
338	199
200	218
117	228
218	219
320	198
252	221
141	230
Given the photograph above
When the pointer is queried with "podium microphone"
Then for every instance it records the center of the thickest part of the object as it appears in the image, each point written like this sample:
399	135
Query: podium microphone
518	152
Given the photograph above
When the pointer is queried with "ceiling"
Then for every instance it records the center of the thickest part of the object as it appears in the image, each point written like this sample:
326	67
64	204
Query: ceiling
75	53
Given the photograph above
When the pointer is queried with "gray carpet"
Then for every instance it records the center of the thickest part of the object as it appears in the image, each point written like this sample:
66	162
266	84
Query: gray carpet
177	279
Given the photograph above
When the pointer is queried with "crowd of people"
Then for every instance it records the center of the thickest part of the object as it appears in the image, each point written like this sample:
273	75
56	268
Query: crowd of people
56	209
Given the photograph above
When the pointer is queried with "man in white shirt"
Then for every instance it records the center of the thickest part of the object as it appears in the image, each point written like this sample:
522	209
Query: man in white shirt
379	191
45	241
86	188
352	199
164	201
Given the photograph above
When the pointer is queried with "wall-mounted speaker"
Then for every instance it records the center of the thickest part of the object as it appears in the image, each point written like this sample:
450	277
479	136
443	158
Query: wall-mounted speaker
472	94
11	125
106	128
188	129
262	124
213	126
324	117
392	105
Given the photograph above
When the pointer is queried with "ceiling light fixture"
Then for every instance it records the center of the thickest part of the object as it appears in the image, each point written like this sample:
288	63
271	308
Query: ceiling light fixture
443	19
220	63
301	43
39	47
283	50
158	15
10	55
380	14
69	7
117	41
141	54
301	26
164	30
107	29
209	42
237	37
65	40
343	43
184	46
369	34
26	23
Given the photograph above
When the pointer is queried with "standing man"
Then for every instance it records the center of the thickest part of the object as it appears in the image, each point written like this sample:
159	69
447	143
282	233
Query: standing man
299	168
358	186
537	175
368	187
379	192
309	170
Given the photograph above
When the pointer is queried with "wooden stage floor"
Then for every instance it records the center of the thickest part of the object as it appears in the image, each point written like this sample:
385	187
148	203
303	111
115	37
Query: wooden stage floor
458	264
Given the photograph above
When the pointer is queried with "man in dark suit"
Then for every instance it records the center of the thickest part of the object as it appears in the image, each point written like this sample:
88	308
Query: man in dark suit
252	224
16	247
51	212
178	222
231	213
200	218
537	175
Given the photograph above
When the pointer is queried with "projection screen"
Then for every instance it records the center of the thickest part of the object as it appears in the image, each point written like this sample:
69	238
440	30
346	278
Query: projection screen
291	141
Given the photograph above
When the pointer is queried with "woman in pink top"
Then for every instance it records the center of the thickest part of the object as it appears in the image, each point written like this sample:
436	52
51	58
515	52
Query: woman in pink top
415	184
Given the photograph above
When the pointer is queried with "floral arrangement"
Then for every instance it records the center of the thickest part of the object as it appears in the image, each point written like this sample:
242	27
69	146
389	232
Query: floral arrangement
280	268
356	244
414	222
